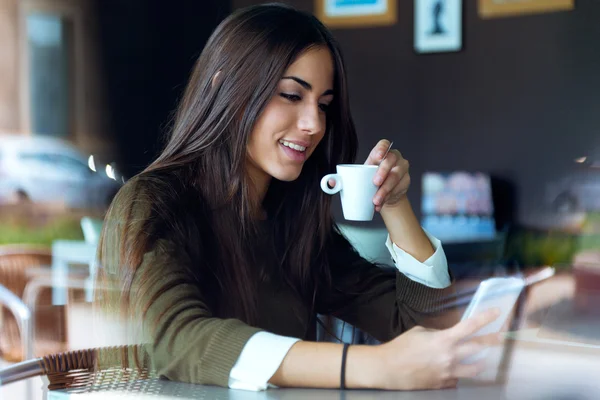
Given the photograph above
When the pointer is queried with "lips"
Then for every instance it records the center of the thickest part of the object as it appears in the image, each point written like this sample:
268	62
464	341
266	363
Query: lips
295	145
291	153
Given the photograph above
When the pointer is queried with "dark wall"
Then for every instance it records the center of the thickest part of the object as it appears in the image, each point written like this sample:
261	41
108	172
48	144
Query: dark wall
519	101
149	48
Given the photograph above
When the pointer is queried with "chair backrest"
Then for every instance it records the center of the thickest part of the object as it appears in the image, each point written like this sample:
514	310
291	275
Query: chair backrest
91	228
14	262
24	249
10	332
65	253
73	251
84	368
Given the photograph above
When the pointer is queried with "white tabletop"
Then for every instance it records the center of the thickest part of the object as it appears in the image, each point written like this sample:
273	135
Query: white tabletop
163	390
166	390
531	372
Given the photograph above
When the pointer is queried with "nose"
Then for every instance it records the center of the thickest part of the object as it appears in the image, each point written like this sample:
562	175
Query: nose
310	120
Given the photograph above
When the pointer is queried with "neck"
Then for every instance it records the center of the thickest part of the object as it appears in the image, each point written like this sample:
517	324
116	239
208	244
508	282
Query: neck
259	184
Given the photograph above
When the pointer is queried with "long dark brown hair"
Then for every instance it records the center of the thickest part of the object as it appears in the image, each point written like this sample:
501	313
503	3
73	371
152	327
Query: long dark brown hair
198	190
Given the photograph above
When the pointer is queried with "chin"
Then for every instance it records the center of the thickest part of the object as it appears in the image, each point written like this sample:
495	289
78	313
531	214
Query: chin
287	176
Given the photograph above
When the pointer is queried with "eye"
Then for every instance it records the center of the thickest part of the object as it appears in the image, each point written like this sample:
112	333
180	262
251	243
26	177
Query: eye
324	107
291	97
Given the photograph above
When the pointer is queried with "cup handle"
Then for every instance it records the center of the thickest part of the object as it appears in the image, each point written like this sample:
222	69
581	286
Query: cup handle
336	188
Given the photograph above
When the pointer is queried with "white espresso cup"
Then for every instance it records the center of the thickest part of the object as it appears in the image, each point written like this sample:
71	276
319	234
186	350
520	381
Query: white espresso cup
356	187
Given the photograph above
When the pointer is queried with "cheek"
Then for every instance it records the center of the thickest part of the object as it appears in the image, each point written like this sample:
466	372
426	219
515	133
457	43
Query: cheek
261	132
266	132
276	117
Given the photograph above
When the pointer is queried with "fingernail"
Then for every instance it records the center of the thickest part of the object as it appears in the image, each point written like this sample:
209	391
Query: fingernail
378	180
377	200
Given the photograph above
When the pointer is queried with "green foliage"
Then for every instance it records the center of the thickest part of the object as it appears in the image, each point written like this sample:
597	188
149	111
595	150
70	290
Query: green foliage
27	226
531	247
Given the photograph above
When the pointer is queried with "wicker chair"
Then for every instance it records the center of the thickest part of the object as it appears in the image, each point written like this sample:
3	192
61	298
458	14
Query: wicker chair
87	369
17	264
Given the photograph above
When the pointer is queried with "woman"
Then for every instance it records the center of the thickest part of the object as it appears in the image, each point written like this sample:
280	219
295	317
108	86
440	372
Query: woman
225	249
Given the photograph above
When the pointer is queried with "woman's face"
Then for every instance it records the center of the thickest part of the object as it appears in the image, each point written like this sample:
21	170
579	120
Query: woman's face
294	121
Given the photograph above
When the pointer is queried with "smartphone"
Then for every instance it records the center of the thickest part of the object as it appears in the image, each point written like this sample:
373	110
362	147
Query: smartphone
501	293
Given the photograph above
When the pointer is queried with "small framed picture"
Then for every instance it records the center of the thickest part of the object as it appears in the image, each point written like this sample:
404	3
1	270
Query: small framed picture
356	13
506	8
438	26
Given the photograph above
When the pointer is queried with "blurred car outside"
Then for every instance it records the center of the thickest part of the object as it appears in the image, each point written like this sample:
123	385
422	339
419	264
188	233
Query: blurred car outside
41	169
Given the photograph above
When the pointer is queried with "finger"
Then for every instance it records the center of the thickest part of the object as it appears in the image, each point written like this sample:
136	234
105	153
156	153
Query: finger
467	350
396	191
385	167
470	326
469	370
393	162
331	183
378	152
390	184
400	188
450	384
489	340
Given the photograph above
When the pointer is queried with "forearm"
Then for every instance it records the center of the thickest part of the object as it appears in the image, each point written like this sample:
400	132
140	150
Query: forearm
318	365
405	230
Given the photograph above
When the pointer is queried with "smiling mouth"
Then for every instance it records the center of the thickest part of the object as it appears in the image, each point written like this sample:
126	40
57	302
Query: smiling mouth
294	152
293	146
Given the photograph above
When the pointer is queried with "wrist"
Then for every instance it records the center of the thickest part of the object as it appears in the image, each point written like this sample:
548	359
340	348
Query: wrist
363	367
400	203
400	209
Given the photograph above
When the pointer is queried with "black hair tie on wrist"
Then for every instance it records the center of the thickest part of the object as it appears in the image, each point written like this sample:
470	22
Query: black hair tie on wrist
343	372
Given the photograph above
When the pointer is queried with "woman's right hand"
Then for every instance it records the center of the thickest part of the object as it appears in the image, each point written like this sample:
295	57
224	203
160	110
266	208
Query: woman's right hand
424	358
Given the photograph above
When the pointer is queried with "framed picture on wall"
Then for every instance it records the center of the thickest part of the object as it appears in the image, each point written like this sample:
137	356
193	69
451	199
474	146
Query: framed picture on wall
356	13
438	26
503	8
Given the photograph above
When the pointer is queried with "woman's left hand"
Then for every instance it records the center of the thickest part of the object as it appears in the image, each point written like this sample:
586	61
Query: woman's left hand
392	175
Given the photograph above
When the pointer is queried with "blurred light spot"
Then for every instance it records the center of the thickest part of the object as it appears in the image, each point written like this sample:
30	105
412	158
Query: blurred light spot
110	172
580	160
92	163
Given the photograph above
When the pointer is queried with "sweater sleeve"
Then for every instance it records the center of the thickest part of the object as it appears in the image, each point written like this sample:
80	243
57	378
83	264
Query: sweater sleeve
378	300
187	342
166	309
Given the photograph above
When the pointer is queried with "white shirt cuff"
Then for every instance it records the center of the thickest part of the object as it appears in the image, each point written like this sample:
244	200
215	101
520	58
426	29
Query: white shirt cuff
260	358
433	272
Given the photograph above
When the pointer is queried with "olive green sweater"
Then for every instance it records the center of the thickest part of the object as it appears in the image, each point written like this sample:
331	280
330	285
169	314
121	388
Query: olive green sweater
190	343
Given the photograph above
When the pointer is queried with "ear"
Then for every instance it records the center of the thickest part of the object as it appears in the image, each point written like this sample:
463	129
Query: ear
214	79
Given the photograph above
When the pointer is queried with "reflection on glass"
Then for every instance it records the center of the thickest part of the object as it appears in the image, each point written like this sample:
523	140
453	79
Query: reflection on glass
91	163
110	172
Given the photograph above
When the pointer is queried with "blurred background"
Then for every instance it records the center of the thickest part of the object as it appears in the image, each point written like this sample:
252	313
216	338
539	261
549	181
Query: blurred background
502	132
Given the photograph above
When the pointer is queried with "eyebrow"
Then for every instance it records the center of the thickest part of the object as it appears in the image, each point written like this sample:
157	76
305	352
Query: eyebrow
307	85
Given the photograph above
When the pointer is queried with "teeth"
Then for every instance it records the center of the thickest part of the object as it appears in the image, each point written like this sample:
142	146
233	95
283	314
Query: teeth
292	145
